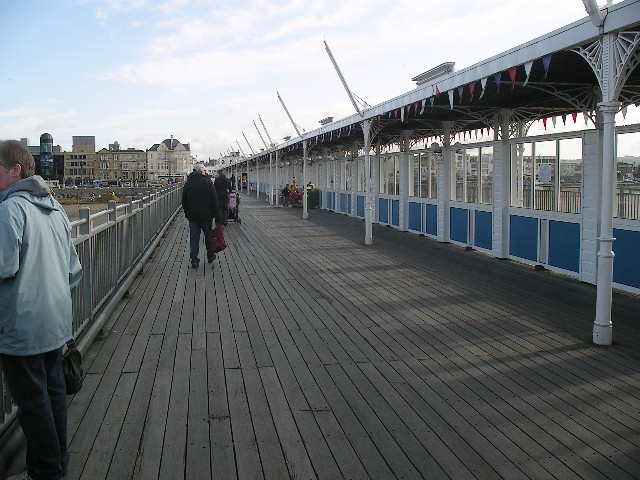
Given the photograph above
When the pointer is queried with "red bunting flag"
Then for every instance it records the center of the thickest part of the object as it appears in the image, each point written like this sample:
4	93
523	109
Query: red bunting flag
544	123
471	86
512	75
575	117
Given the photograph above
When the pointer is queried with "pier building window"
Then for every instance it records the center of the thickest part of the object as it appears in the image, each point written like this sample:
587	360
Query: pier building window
547	175
390	174
346	177
472	181
424	170
331	174
361	175
628	176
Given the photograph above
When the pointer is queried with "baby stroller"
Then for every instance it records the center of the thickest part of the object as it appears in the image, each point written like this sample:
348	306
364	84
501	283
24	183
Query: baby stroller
232	207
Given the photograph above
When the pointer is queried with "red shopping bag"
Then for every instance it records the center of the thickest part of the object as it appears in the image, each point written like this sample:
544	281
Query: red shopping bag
217	236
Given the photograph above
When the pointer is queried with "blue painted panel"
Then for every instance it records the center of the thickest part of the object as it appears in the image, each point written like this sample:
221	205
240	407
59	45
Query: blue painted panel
459	228
564	245
432	219
360	206
383	210
415	216
523	237
395	212
349	206
483	232
626	264
343	202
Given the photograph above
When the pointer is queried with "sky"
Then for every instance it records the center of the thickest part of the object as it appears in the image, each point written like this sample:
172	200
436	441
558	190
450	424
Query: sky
203	71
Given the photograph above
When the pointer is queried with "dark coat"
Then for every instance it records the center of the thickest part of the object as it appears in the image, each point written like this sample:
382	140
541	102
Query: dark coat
221	185
199	199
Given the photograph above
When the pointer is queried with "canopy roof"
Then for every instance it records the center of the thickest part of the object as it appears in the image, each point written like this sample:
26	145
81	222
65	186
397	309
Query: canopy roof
550	76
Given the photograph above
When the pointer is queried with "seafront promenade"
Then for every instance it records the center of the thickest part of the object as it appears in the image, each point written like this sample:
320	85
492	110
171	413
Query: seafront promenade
301	353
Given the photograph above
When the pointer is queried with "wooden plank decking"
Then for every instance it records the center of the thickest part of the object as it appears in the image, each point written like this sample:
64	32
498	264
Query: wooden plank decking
304	354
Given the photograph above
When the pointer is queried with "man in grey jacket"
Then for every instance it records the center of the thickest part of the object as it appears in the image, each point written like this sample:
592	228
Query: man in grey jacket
38	269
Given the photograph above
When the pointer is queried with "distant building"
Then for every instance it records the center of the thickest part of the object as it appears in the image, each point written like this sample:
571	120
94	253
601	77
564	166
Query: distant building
168	160
80	163
123	167
48	158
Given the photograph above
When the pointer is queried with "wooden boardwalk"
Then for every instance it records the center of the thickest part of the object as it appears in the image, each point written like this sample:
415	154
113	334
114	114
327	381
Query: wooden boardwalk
303	354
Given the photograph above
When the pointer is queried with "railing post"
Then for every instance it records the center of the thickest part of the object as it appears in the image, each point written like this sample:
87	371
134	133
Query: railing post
87	282
113	243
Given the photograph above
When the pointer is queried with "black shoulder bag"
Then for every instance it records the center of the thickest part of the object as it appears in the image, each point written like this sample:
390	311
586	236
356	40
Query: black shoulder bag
72	368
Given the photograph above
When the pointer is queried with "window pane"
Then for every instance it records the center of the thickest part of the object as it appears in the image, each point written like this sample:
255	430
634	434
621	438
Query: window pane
396	175
628	170
545	178
570	173
383	175
433	175
425	175
521	168
486	166
414	184
347	175
471	164
457	192
361	174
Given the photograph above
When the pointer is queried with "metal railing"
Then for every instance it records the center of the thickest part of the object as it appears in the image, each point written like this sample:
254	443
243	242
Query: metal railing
112	246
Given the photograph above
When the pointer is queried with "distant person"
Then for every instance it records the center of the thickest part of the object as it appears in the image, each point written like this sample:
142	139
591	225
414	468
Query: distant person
200	205
38	269
286	192
232	183
221	184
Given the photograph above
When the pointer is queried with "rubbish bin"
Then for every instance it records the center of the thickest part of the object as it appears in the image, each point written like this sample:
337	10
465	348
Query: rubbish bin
311	201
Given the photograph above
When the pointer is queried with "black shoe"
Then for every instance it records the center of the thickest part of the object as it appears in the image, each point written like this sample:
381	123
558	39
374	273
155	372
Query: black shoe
194	263
211	258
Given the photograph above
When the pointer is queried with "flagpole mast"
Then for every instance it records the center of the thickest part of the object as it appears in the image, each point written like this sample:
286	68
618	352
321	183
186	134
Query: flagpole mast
305	213
366	130
344	82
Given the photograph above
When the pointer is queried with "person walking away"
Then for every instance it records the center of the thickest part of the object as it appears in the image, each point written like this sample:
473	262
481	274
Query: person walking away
39	268
232	183
221	184
200	205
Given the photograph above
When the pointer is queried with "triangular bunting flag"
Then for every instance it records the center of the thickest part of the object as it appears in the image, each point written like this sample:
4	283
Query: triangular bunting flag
585	115
402	114
553	120
471	86
527	71
460	90
431	103
575	117
512	75
450	93
437	92
424	102
496	78
544	123
545	64
624	112
564	119
483	84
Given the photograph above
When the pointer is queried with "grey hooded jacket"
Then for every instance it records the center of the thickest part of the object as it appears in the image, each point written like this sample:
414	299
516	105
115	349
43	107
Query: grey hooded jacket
38	269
